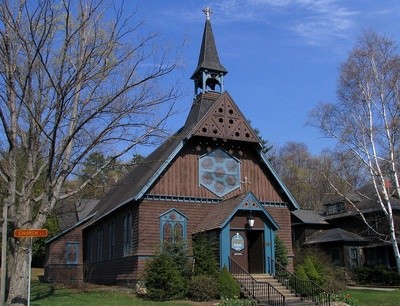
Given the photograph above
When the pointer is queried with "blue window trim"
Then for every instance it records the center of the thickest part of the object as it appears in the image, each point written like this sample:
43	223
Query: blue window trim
72	245
179	219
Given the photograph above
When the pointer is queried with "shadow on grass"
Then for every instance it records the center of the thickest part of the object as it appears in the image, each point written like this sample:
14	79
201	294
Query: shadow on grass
40	291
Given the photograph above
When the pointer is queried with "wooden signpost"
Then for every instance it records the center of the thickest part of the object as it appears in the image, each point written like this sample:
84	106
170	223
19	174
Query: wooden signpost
30	233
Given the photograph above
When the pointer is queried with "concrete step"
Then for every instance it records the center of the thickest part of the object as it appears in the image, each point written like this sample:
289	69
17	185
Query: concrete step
290	297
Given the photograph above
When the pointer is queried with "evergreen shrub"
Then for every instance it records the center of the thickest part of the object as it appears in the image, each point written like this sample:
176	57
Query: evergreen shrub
312	264
376	275
166	274
203	288
281	252
163	279
204	250
301	273
228	287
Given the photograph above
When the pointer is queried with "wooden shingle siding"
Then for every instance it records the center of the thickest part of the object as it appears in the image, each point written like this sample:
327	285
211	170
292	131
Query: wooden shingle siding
118	270
181	179
149	229
282	217
56	267
182	176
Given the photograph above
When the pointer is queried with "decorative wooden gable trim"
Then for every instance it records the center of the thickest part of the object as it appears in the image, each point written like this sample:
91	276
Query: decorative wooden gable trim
250	202
224	120
222	213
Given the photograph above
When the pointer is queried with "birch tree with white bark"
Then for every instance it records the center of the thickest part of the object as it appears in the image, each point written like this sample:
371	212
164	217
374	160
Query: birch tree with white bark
365	120
76	77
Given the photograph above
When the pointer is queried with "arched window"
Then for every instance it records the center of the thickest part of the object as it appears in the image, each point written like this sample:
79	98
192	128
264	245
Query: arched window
172	226
72	253
111	239
127	247
167	232
99	244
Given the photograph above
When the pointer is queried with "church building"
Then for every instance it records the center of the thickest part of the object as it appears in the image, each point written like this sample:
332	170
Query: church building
210	177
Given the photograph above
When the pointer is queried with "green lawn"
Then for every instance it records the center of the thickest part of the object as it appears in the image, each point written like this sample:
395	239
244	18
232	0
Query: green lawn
48	295
375	298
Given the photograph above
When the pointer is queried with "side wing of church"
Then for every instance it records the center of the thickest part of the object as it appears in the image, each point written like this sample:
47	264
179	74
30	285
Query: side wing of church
210	177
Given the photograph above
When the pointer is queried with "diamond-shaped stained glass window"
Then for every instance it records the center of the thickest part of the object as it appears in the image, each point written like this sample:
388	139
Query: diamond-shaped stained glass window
219	172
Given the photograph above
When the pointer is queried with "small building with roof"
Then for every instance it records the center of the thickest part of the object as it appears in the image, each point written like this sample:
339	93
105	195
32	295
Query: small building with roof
352	229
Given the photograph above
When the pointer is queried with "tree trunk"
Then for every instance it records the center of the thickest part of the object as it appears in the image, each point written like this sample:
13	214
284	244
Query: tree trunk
19	274
395	246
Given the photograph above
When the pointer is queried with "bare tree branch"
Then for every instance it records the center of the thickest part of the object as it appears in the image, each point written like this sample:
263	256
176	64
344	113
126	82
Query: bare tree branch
365	120
76	77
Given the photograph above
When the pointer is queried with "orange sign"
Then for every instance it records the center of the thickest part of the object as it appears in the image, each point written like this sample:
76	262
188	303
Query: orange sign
30	233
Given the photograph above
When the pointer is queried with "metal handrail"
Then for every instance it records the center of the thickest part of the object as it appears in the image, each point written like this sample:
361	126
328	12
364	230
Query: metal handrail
263	292
307	289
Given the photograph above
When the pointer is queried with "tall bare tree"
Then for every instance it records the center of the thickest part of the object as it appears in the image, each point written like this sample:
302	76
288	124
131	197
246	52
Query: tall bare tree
366	118
305	174
76	77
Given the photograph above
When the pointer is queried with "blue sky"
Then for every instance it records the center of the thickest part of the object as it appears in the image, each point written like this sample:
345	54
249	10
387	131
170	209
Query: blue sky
282	56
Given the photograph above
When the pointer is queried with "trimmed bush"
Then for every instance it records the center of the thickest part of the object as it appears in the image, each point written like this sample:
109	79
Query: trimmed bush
203	288
229	288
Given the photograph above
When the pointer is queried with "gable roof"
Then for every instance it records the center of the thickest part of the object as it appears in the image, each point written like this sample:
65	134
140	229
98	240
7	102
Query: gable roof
133	185
72	214
306	216
71	211
222	213
67	230
365	199
224	120
335	235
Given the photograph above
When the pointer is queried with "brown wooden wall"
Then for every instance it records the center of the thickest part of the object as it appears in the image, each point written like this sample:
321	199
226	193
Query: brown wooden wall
56	267
119	268
282	217
179	179
182	176
150	224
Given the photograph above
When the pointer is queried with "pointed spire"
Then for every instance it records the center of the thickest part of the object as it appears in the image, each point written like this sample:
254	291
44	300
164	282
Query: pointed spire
209	71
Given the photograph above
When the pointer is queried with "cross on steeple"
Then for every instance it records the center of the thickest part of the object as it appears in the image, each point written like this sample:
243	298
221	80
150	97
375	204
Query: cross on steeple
245	183
208	12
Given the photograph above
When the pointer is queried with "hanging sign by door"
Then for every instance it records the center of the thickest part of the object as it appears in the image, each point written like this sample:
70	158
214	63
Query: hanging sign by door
237	242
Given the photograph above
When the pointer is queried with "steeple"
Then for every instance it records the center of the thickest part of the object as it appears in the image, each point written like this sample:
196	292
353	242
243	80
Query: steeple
209	72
